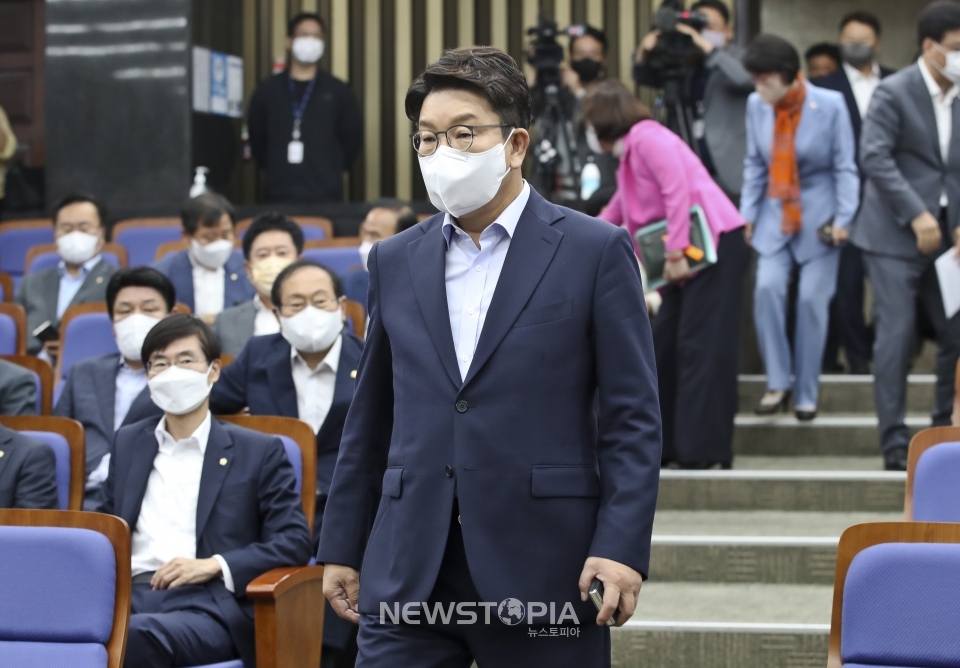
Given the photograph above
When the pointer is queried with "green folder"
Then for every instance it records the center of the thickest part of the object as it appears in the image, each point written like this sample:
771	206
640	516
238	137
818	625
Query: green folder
651	241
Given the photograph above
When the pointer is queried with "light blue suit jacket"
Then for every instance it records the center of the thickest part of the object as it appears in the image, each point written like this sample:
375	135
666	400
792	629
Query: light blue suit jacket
829	181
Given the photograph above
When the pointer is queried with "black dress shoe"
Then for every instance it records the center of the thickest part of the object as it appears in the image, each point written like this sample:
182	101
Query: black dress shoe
859	368
895	459
806	416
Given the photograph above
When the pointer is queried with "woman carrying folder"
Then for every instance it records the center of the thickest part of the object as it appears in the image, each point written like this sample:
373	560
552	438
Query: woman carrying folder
800	193
696	331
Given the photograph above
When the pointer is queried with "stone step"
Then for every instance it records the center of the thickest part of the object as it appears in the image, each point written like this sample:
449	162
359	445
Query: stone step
784	435
809	463
845	393
826	491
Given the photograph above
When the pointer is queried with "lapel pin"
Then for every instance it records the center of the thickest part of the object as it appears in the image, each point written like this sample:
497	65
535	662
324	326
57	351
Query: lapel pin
99	280
233	277
353	374
1	453
813	105
223	461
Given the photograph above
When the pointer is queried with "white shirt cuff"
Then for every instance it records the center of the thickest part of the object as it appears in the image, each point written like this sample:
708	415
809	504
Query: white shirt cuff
225	572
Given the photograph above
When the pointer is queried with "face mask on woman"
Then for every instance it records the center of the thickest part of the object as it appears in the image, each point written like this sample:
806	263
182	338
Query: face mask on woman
772	90
593	143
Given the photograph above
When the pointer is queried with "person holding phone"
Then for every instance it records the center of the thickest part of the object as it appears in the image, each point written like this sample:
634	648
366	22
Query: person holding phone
800	194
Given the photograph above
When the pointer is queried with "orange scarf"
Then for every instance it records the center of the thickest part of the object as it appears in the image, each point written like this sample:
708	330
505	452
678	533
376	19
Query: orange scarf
784	174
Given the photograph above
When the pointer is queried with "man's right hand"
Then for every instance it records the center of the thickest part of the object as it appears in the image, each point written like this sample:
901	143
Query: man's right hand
341	586
646	46
748	232
927	229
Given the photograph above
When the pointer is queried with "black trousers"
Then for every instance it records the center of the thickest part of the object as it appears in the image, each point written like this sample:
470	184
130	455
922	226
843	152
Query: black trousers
696	337
848	326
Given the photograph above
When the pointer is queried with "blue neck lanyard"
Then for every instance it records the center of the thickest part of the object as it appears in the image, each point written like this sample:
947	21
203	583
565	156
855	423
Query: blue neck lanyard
299	107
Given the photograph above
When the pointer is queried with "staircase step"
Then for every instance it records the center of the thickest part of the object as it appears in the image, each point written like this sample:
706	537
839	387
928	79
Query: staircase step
841	435
762	522
845	393
828	491
821	463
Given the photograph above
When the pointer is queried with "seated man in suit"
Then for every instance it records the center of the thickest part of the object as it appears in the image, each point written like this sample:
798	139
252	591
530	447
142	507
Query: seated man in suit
18	390
387	218
212	506
28	472
137	299
81	277
307	372
207	276
272	242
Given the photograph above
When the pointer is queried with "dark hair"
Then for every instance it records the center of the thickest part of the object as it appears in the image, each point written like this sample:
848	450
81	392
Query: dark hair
937	20
824	49
612	110
590	31
205	210
767	54
179	326
719	5
80	198
406	221
402	210
482	69
270	221
300	18
866	18
140	277
300	264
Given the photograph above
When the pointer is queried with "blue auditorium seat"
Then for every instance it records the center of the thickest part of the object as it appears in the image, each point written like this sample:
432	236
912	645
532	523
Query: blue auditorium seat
936	492
61	450
16	239
142	242
340	260
8	335
87	335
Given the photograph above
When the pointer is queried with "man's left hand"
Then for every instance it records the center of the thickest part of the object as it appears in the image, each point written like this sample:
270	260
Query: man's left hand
182	571
621	586
698	40
840	235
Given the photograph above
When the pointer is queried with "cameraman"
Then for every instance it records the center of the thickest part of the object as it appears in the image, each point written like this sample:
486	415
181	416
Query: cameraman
715	92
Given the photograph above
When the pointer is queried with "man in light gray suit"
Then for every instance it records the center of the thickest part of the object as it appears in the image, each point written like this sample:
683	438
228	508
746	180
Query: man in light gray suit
270	243
18	390
79	278
910	158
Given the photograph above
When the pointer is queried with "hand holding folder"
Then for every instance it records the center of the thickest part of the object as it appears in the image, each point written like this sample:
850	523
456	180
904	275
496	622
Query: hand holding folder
651	242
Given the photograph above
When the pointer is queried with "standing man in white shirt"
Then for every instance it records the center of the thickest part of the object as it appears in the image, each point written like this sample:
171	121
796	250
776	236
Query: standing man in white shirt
909	216
212	506
208	276
857	80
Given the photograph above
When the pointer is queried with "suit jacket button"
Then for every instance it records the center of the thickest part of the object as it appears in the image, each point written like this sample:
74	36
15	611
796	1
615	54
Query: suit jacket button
462	406
448	471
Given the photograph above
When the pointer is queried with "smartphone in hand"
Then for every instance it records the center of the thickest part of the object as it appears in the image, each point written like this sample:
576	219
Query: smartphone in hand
596	595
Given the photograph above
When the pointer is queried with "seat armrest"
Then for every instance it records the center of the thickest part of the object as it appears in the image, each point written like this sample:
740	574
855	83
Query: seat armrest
288	605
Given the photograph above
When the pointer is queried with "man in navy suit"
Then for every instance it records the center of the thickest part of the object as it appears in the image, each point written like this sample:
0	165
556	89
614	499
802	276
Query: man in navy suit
386	218
857	79
505	428
28	472
211	506
307	371
137	299
209	277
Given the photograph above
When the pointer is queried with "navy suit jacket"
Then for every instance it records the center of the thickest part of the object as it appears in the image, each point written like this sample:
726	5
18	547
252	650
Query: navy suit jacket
28	472
551	443
87	398
839	82
247	510
236	288
355	285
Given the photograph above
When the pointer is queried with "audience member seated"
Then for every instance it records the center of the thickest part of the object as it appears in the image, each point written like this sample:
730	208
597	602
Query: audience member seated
81	276
307	372
272	242
212	506
18	390
28	472
137	299
207	276
386	218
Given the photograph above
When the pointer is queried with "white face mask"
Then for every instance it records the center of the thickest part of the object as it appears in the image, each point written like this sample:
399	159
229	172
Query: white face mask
951	71
772	91
77	247
459	182
307	50
214	255
364	249
130	333
312	329
178	391
592	142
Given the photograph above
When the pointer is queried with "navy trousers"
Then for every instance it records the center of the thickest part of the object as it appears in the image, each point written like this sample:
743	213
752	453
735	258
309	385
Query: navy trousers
848	326
493	645
176	627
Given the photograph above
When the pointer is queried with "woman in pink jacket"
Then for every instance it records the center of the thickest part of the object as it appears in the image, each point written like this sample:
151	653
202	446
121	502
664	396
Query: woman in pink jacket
696	332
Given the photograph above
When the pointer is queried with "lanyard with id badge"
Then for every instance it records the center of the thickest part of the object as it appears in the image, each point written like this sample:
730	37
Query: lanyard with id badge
295	147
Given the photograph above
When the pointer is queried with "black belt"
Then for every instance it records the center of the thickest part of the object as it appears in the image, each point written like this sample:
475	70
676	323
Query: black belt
143	578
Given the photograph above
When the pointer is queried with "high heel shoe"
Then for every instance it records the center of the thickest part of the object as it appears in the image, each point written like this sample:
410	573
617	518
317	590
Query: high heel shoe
764	408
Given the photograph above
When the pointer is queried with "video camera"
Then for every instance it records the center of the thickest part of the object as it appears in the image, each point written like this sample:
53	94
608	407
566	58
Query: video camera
547	54
675	54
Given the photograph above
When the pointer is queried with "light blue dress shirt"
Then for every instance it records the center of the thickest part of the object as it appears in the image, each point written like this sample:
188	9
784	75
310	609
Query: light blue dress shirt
472	274
70	285
130	384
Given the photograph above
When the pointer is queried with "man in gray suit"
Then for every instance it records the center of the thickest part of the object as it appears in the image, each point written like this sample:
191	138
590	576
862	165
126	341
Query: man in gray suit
272	242
81	276
716	94
18	390
28	472
107	392
910	158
